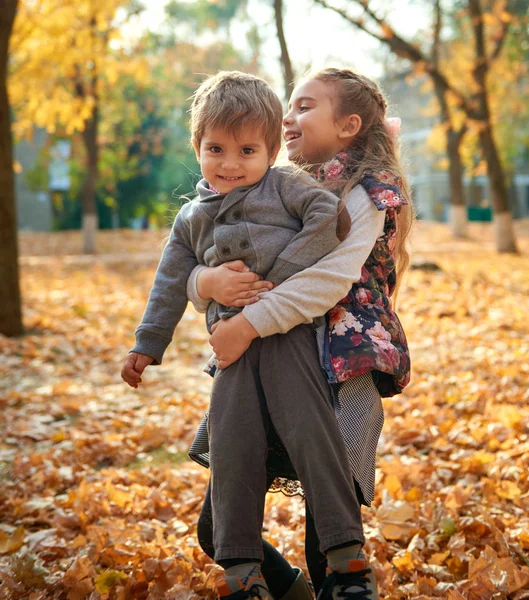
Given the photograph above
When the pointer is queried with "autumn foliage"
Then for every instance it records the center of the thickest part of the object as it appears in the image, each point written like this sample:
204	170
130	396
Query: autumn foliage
98	499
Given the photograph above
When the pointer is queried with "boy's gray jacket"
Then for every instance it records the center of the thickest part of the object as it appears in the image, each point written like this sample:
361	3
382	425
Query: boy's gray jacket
278	227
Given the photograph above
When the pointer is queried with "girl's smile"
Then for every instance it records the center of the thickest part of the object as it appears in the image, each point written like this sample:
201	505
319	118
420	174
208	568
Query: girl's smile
291	137
312	131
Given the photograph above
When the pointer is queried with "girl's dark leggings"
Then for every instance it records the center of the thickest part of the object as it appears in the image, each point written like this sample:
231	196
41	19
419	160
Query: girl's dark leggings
276	570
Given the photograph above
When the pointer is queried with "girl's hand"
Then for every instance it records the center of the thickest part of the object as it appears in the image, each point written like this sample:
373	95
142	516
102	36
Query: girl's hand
231	284
231	339
134	367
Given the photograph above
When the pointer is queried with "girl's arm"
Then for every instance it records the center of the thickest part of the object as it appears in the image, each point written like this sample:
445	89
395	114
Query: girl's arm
315	290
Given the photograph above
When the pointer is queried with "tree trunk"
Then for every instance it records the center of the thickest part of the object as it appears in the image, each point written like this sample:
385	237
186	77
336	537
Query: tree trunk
505	236
86	84
459	216
288	71
458	211
10	306
90	220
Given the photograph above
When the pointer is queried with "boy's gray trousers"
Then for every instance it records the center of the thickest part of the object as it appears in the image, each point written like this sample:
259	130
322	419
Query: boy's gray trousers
279	376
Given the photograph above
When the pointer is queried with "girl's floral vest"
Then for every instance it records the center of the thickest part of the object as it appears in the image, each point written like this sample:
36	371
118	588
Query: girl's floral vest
364	333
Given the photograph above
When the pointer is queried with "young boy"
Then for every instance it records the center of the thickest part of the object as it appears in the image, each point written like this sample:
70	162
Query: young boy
278	225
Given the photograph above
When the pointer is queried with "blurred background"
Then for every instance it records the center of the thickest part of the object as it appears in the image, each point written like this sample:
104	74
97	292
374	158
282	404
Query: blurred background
99	94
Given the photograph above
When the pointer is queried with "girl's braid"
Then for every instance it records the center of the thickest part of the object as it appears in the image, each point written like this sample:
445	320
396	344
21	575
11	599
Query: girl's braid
347	74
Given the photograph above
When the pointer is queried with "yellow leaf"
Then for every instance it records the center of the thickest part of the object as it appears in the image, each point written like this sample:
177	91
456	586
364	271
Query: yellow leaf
523	538
11	543
393	486
477	462
509	415
508	490
404	562
106	580
489	19
413	494
438	558
119	497
58	436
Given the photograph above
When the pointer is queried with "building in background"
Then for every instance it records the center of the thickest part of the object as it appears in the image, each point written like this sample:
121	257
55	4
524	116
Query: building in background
34	210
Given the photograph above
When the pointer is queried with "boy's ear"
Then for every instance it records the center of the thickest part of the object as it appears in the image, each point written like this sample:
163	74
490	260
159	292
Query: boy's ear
350	127
273	156
196	147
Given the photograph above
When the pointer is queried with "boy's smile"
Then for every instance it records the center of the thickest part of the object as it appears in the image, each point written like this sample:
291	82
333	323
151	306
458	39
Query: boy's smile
229	161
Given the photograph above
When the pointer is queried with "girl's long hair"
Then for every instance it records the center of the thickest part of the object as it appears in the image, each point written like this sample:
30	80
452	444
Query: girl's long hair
374	147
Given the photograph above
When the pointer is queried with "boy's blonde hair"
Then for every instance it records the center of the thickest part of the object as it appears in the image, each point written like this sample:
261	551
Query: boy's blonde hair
231	100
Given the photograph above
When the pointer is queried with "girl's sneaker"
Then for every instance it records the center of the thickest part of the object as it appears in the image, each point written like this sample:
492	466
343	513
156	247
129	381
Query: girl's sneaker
349	580
246	584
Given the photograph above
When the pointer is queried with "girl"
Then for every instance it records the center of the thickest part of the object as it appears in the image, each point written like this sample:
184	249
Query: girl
362	346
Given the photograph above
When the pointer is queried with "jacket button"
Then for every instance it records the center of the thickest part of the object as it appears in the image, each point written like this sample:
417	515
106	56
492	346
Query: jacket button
237	215
244	244
221	220
226	250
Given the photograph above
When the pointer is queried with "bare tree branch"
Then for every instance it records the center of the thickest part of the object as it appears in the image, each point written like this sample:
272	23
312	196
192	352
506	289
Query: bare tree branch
437	33
476	17
288	71
360	23
500	40
401	48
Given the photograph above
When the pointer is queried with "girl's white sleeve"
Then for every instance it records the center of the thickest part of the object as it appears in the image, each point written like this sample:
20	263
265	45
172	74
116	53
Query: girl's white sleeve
315	290
199	303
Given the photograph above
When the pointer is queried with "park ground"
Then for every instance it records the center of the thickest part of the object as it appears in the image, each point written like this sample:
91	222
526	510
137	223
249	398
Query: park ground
99	500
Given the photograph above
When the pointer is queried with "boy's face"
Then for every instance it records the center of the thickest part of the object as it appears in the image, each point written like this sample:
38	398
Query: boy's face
228	162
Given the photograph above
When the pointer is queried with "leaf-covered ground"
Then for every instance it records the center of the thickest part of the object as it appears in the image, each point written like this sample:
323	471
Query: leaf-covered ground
98	499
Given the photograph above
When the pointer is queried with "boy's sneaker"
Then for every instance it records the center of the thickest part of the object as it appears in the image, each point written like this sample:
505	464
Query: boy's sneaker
349	580
247	585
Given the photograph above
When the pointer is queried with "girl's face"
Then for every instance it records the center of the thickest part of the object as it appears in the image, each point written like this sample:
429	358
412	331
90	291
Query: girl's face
311	130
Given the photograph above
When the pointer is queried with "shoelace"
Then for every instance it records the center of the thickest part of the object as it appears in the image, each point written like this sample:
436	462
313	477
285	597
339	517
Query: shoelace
345	580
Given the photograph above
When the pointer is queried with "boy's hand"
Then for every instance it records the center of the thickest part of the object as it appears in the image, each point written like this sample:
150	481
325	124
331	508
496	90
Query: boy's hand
231	284
231	338
134	367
